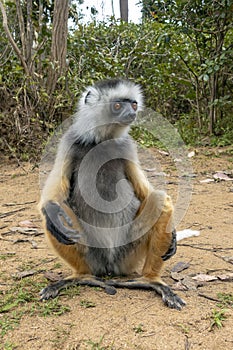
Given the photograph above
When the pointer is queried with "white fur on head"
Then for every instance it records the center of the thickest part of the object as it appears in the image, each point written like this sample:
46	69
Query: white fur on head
110	90
93	122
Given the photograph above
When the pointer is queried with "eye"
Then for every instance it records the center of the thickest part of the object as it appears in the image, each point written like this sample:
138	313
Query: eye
117	106
134	106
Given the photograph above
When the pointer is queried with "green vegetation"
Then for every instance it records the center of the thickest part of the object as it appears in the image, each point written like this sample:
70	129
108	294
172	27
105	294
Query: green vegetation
139	329
92	345
9	346
6	256
217	317
61	336
184	328
225	299
145	138
181	54
87	304
23	299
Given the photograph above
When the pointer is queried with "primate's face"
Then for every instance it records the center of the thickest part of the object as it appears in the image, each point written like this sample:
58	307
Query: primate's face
123	111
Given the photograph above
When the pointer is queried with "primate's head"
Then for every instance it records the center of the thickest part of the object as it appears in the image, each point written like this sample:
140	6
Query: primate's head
109	107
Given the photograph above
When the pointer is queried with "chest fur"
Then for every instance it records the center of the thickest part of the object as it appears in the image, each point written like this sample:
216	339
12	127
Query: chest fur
102	197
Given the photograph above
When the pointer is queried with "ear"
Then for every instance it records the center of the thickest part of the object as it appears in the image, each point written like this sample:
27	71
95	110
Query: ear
90	96
87	96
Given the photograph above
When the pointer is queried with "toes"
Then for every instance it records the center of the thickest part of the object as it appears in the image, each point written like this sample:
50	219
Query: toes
174	302
48	292
73	235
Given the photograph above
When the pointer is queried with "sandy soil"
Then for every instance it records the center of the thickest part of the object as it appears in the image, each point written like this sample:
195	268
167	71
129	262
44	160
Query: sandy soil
91	319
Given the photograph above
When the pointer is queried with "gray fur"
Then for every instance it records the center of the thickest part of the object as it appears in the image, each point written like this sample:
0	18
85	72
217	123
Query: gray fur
106	233
91	164
96	148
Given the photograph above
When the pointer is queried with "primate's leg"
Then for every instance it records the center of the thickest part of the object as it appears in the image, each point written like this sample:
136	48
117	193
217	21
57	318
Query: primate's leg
52	290
156	245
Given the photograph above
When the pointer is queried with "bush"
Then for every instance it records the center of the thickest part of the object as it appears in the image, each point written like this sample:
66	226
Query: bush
155	55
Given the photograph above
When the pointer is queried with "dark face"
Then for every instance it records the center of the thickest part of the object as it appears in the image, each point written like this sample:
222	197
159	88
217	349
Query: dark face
124	111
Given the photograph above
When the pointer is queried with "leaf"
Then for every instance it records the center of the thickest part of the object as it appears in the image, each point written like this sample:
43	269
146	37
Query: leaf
180	266
206	180
226	277
204	278
27	231
23	274
18	68
228	259
189	283
87	304
27	223
52	276
179	286
8	307
221	176
177	276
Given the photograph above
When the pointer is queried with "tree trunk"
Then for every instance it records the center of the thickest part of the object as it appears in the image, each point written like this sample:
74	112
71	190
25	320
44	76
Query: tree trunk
59	43
21	27
213	108
12	41
29	31
124	10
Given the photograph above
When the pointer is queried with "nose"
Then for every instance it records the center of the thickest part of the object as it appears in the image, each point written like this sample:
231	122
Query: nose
132	116
129	118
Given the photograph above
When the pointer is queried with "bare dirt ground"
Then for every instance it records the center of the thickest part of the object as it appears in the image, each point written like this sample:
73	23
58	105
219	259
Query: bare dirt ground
87	318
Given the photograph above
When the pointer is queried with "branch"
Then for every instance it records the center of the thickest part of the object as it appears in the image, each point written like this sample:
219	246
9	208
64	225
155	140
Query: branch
13	152
5	55
21	26
11	39
189	68
208	297
29	44
3	215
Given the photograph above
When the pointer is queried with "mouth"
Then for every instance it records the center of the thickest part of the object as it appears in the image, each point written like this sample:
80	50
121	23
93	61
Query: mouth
128	119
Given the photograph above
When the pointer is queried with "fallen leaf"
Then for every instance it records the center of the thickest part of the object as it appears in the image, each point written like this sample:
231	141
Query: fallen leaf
23	274
225	277
177	276
228	259
204	278
179	286
221	176
180	266
206	180
52	276
28	231
189	283
27	223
